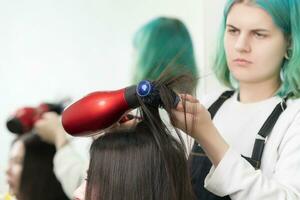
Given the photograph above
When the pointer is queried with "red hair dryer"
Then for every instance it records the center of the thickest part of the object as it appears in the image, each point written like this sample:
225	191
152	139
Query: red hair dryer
24	118
99	110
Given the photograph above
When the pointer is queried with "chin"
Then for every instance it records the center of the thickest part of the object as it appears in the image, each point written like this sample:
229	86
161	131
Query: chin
242	77
13	192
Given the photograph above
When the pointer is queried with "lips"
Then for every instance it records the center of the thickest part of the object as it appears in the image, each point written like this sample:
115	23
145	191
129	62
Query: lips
242	61
10	183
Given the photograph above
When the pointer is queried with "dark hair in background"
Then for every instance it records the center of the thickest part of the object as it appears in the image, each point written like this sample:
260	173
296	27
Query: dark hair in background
38	181
145	161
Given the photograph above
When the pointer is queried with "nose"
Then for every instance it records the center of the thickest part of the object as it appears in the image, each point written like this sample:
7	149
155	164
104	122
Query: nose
8	169
243	43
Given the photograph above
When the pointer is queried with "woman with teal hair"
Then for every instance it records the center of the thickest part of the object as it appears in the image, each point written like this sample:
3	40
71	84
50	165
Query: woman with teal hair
163	42
248	138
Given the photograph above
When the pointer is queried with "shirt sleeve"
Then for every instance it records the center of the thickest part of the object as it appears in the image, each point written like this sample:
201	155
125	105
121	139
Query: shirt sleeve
69	168
234	176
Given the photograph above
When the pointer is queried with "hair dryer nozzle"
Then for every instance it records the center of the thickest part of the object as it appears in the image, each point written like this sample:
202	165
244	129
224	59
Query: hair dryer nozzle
14	125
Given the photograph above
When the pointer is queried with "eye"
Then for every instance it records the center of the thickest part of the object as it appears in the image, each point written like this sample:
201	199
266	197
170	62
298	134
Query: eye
260	35
233	31
17	161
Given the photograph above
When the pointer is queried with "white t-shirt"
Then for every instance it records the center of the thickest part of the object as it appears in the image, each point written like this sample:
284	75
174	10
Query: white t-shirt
70	165
279	175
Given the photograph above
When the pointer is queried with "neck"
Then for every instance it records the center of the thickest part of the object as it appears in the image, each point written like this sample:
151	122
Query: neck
254	92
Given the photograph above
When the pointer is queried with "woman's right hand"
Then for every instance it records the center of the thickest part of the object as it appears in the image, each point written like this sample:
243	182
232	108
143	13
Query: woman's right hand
50	129
191	116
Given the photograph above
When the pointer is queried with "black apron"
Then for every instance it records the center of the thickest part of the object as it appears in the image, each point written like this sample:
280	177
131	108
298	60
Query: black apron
200	164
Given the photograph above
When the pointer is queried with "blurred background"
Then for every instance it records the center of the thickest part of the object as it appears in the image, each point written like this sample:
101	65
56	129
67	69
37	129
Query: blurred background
52	49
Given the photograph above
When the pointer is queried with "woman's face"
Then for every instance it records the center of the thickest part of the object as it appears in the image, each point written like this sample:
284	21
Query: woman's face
79	193
254	45
15	167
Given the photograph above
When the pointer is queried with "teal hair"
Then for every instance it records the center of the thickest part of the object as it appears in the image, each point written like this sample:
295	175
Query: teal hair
286	15
161	43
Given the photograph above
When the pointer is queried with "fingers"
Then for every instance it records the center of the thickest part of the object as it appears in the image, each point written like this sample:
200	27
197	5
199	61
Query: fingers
129	123
189	104
50	115
189	98
39	123
48	123
48	118
189	107
184	122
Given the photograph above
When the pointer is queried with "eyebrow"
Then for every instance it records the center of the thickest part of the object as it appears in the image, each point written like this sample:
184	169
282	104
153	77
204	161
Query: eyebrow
255	30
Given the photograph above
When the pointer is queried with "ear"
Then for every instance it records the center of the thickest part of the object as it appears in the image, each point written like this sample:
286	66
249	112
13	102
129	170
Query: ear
288	51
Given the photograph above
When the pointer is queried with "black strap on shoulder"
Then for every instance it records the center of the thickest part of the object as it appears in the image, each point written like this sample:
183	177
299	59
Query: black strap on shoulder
219	102
264	132
271	120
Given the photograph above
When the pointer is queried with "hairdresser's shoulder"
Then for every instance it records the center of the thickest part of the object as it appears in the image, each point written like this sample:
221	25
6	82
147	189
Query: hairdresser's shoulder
293	105
208	98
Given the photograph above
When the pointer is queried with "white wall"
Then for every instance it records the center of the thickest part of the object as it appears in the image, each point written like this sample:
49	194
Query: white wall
212	15
50	49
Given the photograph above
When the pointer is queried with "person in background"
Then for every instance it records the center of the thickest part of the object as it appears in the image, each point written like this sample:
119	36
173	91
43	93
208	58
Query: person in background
30	173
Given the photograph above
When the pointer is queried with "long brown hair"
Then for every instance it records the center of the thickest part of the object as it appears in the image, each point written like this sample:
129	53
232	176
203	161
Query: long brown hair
38	180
